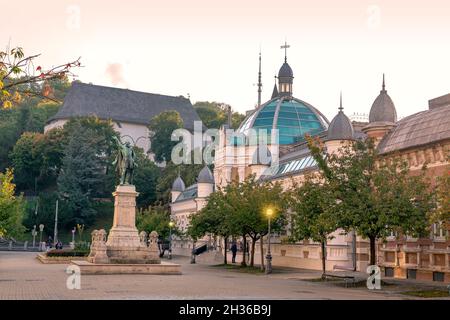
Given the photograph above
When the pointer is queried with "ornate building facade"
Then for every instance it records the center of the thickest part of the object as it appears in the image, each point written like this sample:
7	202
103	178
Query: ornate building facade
421	138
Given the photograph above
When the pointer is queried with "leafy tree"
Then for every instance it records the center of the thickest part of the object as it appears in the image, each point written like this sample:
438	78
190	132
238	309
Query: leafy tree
155	218
251	199
239	209
313	207
27	159
161	128
214	114
18	76
12	208
81	175
216	218
39	113
442	212
145	179
375	195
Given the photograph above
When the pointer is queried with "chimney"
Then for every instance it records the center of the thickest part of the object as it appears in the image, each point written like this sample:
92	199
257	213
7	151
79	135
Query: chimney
439	102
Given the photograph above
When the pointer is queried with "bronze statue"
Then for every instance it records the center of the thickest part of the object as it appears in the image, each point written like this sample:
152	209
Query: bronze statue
125	162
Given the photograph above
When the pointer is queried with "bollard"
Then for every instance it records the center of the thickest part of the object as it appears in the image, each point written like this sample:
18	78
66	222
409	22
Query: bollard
10	245
25	246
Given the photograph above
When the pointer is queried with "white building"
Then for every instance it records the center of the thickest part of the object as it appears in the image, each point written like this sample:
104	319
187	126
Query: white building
130	111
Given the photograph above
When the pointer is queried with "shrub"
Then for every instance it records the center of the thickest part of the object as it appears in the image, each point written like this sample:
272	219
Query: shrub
67	253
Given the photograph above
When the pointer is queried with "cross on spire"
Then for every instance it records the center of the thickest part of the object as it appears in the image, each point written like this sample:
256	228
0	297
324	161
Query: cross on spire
285	47
340	103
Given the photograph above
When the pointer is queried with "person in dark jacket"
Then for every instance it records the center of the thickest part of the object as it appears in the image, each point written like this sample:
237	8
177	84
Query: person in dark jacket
234	251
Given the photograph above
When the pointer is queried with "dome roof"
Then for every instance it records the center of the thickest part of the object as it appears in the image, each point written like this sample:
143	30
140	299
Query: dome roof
262	155
205	176
383	108
285	71
340	128
292	117
178	185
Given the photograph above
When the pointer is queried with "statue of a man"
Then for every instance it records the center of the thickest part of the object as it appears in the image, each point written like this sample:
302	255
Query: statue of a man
125	162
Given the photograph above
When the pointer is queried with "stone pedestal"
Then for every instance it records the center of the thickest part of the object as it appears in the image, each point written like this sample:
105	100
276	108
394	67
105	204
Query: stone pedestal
124	245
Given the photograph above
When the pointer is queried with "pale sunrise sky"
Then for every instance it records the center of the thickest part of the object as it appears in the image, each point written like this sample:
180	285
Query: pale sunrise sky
209	49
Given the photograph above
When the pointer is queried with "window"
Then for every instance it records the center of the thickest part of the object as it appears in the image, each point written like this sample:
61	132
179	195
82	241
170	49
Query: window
388	272
438	276
411	273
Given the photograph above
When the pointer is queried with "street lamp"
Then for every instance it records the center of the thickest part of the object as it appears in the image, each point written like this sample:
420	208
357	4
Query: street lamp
73	237
41	228
171	224
34	234
269	214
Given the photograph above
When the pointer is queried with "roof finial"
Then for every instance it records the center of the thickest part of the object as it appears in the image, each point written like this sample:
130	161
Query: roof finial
259	79
384	84
285	47
340	103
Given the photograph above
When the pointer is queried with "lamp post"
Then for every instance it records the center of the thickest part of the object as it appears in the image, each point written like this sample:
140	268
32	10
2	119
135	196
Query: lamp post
171	224
34	234
269	213
55	235
41	228
73	237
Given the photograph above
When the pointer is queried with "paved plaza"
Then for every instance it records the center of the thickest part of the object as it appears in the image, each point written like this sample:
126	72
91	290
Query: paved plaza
22	276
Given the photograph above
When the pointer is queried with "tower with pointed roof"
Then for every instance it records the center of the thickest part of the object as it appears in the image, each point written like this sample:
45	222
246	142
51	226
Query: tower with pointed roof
178	187
285	76
339	131
382	116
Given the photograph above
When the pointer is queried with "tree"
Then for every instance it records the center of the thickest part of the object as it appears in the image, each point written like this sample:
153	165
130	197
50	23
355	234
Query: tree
216	219
81	175
442	212
145	179
27	159
313	206
214	114
12	208
251	199
239	209
155	218
161	128
18	76
375	195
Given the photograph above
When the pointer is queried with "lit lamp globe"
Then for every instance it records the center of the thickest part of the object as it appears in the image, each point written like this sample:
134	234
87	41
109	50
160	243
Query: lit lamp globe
269	214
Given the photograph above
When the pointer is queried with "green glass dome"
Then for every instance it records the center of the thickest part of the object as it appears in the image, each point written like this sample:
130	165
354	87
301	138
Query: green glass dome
292	117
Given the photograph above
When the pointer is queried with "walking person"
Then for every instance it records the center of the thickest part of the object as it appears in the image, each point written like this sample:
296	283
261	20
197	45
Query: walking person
234	251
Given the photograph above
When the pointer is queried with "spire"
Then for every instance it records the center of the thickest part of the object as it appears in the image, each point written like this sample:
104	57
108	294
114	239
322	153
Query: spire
340	104
229	117
259	80
384	85
275	89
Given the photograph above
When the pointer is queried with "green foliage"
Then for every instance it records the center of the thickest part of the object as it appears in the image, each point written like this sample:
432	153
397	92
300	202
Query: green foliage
67	253
375	195
240	209
41	210
161	128
214	114
27	159
82	174
442	212
30	114
157	219
145	179
12	208
313	205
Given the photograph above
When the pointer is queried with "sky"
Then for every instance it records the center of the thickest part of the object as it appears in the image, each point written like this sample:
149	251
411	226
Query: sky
209	49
